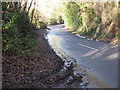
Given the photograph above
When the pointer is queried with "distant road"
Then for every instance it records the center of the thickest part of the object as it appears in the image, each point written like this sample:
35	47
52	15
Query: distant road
100	58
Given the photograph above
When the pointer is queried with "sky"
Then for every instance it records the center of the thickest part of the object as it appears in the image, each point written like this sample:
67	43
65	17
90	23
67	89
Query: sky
47	6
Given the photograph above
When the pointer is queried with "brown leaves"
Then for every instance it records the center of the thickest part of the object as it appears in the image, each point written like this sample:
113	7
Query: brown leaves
21	71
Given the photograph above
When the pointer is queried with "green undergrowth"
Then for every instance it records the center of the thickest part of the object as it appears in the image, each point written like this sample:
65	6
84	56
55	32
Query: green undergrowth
41	24
95	20
17	34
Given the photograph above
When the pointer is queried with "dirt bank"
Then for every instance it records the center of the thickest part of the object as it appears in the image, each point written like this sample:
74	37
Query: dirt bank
43	69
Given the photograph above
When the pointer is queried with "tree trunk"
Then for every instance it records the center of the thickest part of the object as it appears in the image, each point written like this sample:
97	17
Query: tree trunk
30	5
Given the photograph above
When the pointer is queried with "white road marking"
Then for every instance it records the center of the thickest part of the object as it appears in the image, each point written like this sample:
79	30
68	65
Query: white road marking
87	46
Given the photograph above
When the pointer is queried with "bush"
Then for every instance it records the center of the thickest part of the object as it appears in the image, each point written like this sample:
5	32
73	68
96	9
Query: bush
71	17
53	21
23	22
17	36
92	19
42	25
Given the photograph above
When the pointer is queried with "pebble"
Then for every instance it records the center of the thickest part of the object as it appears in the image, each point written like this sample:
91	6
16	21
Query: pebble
70	80
83	87
84	83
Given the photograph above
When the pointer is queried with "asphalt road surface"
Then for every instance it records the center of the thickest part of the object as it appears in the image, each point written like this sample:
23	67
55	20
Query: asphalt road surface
100	58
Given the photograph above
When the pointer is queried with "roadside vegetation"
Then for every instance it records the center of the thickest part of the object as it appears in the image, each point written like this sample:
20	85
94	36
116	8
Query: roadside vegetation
18	37
18	25
94	20
25	52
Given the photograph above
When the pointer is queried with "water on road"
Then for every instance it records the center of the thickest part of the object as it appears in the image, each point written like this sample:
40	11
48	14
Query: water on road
100	60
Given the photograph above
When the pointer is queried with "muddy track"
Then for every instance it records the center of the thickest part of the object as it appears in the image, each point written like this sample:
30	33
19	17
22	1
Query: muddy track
58	70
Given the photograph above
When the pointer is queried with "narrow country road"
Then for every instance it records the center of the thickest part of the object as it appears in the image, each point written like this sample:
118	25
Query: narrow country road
99	58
